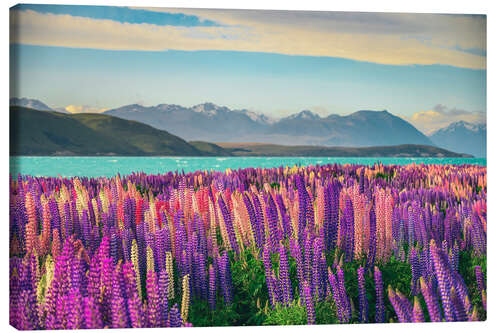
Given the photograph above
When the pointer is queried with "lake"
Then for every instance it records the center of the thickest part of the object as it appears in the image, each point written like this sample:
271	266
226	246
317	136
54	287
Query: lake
110	166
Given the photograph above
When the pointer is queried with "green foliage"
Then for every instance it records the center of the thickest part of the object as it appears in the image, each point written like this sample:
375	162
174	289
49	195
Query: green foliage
251	306
294	314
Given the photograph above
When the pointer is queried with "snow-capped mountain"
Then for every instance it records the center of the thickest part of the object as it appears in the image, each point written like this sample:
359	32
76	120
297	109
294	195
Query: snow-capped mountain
29	103
462	137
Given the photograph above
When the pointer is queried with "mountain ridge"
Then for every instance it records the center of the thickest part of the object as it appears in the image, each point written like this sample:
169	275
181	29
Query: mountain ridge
462	136
210	122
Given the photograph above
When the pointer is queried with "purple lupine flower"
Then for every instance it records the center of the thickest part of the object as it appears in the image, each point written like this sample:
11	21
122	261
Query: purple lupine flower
308	249
379	290
135	311
431	301
285	219
363	302
211	287
336	296
479	278
415	270
346	305
361	180
163	296
174	317
225	277
272	218
316	273
348	223
458	307
372	248
229	225
297	255
309	303
461	290
443	279
266	259
400	305
284	277
259	220
417	313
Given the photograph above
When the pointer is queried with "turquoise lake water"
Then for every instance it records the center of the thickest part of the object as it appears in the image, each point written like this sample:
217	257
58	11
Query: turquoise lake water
110	166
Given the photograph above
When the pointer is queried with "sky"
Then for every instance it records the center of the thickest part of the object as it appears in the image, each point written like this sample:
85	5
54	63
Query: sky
429	69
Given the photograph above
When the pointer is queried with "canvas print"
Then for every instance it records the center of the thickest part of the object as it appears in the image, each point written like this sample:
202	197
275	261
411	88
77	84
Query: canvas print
174	167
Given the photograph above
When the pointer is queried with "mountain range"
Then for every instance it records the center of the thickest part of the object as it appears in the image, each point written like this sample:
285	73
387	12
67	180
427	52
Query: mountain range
208	122
49	133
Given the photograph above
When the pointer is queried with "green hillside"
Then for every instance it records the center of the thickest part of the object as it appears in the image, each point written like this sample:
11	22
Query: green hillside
51	133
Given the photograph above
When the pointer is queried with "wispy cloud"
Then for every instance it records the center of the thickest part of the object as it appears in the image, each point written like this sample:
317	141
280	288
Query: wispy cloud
397	39
441	116
120	14
84	109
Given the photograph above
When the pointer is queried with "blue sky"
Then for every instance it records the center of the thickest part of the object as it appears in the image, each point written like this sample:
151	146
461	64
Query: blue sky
429	69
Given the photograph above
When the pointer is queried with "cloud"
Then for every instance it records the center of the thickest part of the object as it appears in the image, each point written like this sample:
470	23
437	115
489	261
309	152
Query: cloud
395	39
84	109
441	116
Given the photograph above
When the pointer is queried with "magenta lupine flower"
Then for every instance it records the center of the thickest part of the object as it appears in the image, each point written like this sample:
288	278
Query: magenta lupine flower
309	303
379	290
363	302
73	310
135	311
153	306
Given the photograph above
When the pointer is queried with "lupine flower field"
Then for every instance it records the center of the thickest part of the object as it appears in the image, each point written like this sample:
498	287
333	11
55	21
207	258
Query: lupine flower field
301	245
